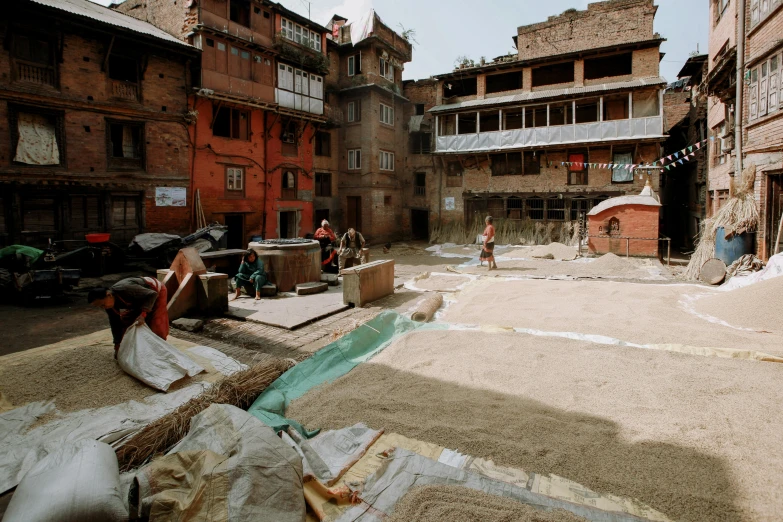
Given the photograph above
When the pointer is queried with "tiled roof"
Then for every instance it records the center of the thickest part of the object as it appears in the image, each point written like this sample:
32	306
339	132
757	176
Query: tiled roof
552	93
108	16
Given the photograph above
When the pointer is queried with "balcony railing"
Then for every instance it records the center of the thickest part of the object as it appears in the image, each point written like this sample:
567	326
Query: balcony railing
419	191
556	135
35	73
124	90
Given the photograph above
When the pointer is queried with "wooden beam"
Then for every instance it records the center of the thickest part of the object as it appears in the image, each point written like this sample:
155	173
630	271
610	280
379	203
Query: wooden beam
108	53
214	116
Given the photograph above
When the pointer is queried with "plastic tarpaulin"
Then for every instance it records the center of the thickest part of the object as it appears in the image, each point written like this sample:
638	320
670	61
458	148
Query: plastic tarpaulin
774	268
152	240
331	453
327	365
152	360
229	466
404	470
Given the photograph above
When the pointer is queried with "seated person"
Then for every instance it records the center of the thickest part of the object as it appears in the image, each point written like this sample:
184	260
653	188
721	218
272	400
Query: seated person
325	232
251	275
351	248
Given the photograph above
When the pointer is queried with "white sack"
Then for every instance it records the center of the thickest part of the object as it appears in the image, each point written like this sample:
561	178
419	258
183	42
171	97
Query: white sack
152	360
79	482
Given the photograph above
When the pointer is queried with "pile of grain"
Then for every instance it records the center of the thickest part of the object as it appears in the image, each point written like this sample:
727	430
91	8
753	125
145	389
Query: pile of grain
612	265
439	503
758	306
75	378
557	251
639	424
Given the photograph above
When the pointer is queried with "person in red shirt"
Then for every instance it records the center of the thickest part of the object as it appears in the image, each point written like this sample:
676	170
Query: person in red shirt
325	232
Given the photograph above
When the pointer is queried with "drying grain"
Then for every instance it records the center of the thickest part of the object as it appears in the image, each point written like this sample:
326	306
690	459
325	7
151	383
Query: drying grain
439	503
688	436
557	251
441	283
636	313
76	378
611	263
758	306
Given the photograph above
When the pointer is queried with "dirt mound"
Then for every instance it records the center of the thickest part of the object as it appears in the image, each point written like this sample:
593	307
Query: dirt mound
758	306
437	503
557	251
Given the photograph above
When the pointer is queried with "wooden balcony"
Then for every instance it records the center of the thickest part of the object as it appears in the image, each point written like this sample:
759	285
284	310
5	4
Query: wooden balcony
35	73
125	90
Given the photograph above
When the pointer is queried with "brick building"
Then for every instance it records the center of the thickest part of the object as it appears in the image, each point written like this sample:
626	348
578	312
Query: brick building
259	97
531	135
369	136
761	111
94	111
684	188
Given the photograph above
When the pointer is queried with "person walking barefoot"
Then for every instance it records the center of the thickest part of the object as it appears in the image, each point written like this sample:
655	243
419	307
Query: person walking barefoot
489	245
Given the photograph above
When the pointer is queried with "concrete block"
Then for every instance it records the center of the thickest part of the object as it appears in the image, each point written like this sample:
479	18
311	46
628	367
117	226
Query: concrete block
367	283
311	288
213	294
188	325
268	290
330	279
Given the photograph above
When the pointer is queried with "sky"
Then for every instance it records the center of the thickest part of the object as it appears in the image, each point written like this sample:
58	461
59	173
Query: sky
446	29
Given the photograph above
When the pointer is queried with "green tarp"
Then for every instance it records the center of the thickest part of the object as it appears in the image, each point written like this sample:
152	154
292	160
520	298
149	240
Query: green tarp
327	365
32	253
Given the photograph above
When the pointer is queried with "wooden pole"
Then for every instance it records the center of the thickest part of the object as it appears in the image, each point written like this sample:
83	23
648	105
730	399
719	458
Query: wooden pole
780	229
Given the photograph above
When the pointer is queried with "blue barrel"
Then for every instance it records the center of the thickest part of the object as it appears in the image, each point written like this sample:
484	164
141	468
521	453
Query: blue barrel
256	239
729	250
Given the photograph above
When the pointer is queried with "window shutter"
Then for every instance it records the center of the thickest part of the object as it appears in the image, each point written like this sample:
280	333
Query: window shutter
773	92
762	96
754	101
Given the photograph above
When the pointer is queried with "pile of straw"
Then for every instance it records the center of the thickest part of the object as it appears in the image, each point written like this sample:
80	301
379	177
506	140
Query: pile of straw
508	232
737	216
239	389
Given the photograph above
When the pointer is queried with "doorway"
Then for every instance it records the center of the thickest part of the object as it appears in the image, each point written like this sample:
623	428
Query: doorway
420	224
320	215
774	211
355	212
287	225
236	231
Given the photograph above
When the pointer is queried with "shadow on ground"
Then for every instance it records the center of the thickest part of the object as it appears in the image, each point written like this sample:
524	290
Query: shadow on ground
681	482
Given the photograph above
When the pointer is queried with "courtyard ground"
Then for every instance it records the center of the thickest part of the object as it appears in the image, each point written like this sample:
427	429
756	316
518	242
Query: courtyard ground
609	372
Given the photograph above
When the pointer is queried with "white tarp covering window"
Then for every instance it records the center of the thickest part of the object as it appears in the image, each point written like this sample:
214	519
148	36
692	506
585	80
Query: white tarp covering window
37	143
363	27
645	104
622	175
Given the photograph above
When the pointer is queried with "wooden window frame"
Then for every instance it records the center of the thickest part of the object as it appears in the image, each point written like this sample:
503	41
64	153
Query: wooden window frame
289	193
118	164
386	114
583	172
386	157
353	156
231	171
51	67
354	64
231	113
323	179
354	111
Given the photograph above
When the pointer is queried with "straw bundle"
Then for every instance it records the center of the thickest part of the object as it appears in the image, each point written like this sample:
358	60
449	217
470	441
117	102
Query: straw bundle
239	389
508	232
426	309
737	216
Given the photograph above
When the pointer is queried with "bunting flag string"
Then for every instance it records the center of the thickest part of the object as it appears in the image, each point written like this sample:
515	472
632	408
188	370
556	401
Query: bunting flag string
668	162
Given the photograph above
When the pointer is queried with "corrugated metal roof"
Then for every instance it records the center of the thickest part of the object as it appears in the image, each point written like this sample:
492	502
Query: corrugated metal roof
554	93
105	15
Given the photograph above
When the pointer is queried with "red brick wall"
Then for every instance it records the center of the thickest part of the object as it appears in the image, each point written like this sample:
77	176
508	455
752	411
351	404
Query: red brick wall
635	221
601	24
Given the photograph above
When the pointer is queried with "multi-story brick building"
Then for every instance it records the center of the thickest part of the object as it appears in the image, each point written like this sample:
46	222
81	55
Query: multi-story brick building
259	96
531	135
93	106
365	98
761	112
763	117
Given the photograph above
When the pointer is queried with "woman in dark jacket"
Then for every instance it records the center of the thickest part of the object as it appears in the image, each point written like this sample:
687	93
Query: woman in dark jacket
251	275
